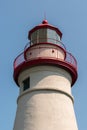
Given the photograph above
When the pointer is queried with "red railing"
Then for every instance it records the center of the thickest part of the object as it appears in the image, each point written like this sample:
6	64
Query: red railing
69	59
19	60
43	40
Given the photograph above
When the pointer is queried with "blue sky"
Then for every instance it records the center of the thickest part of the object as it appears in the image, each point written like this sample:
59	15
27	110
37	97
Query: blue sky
17	17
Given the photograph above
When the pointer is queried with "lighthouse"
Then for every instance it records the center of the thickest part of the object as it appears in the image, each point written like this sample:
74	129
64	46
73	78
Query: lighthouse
45	73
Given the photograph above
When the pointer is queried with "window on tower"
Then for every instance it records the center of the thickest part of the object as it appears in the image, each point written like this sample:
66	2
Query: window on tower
26	84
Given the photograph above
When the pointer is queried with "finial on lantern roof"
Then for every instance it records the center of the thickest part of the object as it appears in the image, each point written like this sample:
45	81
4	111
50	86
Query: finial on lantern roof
45	22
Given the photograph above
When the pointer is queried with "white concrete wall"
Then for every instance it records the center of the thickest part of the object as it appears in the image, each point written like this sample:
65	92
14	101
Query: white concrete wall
48	104
45	50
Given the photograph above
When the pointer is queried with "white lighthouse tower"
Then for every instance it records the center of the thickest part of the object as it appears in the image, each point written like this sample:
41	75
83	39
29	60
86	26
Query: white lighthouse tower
45	73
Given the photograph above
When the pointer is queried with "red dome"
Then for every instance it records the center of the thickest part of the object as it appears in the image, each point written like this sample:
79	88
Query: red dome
45	22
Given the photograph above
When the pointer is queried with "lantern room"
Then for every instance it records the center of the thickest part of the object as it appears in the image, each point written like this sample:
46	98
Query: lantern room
44	33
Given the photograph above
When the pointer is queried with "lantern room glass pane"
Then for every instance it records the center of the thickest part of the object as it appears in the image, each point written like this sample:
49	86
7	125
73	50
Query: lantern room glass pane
53	37
34	37
45	35
42	35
